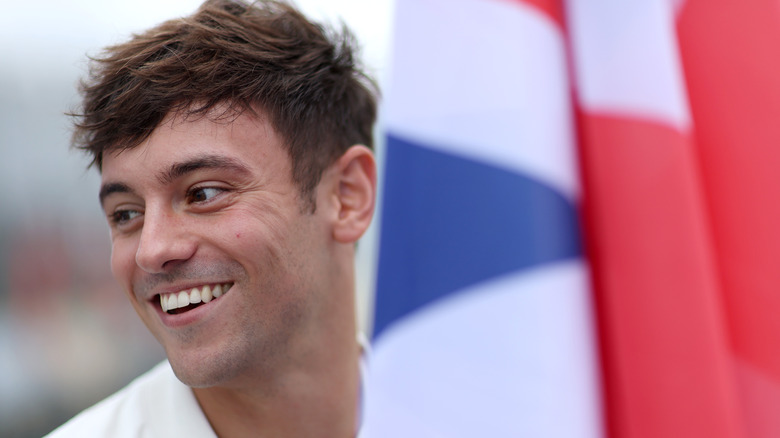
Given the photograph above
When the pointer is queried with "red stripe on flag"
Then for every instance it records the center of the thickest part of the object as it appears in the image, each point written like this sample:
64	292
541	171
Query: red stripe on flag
731	56
665	356
760	400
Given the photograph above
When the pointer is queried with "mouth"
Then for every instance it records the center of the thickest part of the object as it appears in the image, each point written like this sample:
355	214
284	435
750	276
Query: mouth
188	299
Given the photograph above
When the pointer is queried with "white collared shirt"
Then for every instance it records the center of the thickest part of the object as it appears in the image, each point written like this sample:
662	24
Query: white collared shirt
155	404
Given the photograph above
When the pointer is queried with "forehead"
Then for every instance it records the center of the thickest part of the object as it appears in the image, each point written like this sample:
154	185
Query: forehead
244	138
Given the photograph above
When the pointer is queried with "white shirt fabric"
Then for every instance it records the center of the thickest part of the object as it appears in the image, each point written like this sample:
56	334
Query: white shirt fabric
154	405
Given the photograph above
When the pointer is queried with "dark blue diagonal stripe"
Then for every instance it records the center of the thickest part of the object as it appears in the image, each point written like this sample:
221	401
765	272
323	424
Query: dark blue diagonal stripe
448	222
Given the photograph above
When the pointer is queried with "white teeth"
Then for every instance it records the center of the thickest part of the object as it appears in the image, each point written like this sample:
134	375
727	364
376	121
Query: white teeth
184	299
205	294
193	296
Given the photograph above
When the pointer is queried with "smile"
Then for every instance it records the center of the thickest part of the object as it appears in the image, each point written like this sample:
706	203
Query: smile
187	299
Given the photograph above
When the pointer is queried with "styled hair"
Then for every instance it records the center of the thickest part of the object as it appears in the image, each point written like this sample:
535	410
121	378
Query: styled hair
244	56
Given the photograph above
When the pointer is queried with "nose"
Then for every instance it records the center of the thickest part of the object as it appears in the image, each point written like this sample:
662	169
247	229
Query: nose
164	241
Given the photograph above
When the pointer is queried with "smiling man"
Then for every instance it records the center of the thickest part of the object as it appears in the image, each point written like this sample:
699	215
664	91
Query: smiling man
234	150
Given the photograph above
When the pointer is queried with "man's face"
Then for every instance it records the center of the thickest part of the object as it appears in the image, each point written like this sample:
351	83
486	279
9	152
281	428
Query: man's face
212	205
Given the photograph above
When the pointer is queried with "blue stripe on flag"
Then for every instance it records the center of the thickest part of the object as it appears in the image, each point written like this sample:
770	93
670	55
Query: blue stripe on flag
450	222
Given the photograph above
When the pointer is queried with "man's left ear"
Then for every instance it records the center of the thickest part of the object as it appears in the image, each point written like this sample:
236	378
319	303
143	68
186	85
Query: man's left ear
356	193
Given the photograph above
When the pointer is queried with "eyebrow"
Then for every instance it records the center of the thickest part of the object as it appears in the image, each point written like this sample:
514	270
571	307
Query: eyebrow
111	188
178	170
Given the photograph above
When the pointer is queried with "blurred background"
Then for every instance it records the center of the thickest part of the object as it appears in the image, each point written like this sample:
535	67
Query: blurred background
68	338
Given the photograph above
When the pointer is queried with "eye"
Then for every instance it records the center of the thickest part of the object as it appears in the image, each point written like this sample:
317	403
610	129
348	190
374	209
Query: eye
122	217
203	194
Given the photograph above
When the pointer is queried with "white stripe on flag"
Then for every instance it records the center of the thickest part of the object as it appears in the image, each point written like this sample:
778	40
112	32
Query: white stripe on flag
509	357
626	59
485	80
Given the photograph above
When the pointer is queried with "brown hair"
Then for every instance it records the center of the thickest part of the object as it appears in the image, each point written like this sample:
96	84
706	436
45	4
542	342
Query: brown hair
264	55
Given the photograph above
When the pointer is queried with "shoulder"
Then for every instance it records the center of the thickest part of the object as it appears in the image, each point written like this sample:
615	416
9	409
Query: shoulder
147	407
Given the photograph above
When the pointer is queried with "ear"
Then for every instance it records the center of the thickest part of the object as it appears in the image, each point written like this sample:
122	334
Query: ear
356	193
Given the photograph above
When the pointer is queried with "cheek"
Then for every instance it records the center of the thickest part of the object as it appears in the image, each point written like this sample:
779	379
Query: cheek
249	232
122	260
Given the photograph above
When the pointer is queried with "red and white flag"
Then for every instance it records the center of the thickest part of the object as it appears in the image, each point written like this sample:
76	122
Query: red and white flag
680	159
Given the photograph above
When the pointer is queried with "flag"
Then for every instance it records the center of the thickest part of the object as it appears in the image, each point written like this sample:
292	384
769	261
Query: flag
483	323
656	287
580	221
731	52
680	158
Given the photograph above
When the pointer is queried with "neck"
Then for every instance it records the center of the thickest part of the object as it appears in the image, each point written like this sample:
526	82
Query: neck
302	403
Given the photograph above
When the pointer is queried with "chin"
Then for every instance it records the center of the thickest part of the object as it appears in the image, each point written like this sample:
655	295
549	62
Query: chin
206	371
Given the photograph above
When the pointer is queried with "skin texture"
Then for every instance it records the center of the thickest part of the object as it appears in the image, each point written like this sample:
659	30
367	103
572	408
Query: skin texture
205	202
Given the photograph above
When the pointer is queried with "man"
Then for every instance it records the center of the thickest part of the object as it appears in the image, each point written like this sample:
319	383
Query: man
236	175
